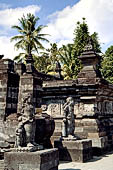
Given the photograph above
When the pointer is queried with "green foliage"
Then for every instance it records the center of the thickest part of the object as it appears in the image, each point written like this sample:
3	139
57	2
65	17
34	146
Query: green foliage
42	62
107	65
71	64
30	36
82	34
96	44
46	62
69	53
53	53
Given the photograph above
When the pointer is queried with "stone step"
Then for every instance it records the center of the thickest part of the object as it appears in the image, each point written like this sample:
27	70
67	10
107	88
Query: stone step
1	164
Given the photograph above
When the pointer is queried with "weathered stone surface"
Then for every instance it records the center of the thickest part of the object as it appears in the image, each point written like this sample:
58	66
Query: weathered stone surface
68	124
76	151
93	99
40	160
101	142
13	84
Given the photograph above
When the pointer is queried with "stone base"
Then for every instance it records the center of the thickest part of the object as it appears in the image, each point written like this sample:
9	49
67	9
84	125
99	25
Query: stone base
27	149
100	145
76	151
41	160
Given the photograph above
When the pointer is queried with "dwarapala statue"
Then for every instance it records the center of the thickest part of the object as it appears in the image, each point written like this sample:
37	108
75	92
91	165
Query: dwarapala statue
25	132
68	125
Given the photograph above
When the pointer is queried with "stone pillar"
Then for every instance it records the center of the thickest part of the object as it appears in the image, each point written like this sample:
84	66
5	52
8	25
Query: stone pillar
30	83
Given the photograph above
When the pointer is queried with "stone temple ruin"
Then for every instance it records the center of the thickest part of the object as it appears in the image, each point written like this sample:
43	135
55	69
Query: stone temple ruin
75	116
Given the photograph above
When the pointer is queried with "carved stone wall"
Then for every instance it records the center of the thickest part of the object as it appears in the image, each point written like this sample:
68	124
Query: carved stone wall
15	82
9	86
93	108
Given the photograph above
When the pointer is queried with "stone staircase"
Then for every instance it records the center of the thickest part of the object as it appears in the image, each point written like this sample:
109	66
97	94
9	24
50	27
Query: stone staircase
1	164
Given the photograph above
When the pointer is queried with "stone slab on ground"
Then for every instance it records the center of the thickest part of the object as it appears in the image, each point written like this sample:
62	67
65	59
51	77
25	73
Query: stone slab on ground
41	160
75	151
104	162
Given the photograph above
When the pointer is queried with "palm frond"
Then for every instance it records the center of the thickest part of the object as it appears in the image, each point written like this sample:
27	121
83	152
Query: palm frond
17	37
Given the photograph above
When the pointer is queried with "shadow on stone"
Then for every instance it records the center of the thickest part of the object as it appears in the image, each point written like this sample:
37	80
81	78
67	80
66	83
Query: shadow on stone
97	158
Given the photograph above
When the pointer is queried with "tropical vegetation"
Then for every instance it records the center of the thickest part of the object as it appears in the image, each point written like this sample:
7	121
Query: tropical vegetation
29	38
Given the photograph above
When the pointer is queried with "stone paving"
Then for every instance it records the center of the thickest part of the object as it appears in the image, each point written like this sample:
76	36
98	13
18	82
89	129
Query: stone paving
104	162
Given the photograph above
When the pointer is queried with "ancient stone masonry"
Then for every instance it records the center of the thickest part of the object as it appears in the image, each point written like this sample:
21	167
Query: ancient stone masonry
71	147
92	97
27	154
19	126
40	160
16	81
93	101
8	88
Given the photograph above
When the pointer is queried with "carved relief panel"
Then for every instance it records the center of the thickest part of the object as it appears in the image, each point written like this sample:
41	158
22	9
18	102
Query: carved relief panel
84	109
105	107
54	108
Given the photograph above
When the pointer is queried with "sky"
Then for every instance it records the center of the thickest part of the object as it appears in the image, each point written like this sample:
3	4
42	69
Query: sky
60	16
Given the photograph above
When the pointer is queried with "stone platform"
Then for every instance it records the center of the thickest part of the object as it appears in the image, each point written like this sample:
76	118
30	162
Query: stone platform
75	151
41	160
100	145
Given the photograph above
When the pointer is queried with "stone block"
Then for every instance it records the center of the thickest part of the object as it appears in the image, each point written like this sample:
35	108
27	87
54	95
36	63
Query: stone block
40	160
76	151
100	145
101	142
96	135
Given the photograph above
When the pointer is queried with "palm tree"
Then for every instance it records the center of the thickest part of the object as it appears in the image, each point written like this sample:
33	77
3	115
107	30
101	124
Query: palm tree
29	36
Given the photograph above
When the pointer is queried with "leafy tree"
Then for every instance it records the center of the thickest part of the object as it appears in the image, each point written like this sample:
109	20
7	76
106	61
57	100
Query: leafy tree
46	62
42	62
107	65
81	38
29	38
81	34
95	41
69	54
70	63
53	53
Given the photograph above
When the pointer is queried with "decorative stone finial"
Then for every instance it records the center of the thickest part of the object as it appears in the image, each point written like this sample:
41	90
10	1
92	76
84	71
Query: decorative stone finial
90	61
29	64
89	45
58	70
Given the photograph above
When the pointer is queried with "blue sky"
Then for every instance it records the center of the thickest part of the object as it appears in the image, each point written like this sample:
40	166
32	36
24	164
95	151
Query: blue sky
47	6
60	16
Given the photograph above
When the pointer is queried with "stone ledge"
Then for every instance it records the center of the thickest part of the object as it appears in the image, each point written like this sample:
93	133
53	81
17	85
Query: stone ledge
40	160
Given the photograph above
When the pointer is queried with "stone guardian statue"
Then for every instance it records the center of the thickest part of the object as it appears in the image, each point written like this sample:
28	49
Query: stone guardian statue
25	132
68	125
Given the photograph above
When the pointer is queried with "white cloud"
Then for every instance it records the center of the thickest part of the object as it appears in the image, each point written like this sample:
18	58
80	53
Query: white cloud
9	17
99	16
7	48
